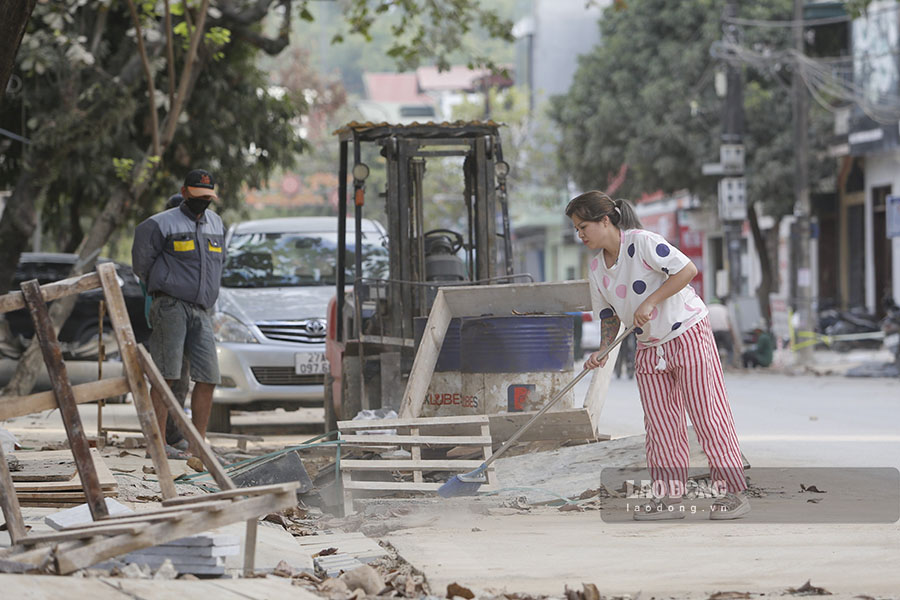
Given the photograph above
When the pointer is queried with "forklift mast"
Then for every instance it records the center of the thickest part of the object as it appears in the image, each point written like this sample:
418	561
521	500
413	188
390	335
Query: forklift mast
378	317
405	294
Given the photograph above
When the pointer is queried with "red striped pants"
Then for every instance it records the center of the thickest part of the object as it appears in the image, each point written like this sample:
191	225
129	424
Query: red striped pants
689	384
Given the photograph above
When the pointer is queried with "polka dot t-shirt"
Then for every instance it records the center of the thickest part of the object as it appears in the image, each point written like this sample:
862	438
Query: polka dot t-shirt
645	261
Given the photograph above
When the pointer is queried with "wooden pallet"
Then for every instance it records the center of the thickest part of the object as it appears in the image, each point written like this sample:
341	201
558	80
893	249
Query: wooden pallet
75	548
415	435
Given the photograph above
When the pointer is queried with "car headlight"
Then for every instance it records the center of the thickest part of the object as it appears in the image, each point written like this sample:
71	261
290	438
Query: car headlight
229	329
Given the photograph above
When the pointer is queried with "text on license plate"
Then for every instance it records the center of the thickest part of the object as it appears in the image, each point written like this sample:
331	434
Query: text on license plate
310	363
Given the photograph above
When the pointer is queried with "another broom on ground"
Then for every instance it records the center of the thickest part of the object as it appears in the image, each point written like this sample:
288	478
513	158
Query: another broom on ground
467	484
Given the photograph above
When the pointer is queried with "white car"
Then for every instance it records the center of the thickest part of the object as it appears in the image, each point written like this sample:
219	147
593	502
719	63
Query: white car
270	317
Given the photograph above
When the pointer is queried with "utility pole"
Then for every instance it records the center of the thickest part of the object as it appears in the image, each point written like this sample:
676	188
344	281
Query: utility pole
732	185
803	274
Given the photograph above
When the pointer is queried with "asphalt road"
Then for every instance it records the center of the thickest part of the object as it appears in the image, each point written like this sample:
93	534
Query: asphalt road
791	420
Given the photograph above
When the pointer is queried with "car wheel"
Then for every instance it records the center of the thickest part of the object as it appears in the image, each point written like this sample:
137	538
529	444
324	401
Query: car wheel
219	418
328	403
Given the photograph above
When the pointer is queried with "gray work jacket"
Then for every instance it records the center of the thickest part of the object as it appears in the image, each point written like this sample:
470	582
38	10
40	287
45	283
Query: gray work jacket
182	257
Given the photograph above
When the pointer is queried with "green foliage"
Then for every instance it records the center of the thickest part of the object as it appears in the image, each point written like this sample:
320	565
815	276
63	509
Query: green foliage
88	119
84	102
645	97
123	167
357	36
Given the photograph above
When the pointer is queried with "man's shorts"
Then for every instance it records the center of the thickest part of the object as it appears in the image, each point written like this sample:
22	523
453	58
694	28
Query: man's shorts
181	328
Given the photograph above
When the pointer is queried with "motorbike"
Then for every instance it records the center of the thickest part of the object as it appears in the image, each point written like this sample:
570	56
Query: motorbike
857	324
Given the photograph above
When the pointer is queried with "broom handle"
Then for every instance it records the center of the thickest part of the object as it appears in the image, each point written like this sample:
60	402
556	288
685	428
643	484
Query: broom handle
508	443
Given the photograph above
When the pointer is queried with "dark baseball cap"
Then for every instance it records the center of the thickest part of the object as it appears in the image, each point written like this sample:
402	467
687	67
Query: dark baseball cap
200	183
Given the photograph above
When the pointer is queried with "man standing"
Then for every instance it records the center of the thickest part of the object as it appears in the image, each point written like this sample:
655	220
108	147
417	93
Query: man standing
179	255
723	330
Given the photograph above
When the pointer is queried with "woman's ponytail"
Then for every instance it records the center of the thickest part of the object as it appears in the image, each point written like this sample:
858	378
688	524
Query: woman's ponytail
629	220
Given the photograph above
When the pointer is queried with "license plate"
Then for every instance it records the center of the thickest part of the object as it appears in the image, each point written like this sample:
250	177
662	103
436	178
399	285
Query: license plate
310	363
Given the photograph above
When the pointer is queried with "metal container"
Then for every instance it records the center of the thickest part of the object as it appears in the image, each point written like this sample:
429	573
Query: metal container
517	344
448	359
516	363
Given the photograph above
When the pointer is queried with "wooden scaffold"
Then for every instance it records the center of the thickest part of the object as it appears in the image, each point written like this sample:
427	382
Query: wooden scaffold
74	548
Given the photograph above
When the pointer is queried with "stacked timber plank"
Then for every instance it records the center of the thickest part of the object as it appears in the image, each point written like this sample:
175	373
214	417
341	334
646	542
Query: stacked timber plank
48	478
415	435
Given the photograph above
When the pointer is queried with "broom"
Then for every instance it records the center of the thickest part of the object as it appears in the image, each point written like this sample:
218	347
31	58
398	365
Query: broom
467	484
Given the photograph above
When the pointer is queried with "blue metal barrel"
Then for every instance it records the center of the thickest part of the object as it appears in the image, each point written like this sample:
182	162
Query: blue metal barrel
517	344
448	359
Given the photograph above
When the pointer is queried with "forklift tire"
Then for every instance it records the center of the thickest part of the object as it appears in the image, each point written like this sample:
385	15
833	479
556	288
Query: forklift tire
328	403
219	418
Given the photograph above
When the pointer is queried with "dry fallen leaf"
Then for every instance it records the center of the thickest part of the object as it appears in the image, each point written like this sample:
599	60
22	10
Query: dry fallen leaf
454	589
591	592
808	590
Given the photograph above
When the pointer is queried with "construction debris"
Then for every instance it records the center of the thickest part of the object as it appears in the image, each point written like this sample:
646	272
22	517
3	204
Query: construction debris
277	469
364	577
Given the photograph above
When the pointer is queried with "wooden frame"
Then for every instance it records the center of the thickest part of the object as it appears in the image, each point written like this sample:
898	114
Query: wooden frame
415	434
78	547
477	300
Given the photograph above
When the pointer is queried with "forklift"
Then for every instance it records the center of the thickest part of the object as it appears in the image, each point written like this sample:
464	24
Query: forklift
371	336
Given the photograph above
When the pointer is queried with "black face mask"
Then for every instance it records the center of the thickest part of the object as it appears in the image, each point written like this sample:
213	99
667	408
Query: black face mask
197	205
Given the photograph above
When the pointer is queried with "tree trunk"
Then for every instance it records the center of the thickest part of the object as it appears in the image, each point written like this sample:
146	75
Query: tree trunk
767	283
16	227
14	15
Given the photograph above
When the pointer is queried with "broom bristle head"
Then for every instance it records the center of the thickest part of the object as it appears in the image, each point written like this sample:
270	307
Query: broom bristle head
457	487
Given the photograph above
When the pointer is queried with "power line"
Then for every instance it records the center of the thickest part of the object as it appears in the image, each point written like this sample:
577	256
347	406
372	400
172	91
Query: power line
829	80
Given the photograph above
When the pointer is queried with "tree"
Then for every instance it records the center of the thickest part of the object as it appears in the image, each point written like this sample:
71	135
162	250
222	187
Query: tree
13	17
645	98
130	121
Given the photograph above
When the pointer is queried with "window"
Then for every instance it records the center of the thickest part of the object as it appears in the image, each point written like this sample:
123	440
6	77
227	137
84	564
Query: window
295	259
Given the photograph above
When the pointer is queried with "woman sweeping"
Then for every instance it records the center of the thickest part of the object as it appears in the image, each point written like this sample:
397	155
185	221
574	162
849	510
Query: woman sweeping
639	278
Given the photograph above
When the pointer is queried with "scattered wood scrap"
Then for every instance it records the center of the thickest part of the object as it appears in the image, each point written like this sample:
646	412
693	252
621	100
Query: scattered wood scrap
44	486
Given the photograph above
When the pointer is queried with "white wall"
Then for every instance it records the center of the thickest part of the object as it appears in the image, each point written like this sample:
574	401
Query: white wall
563	30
